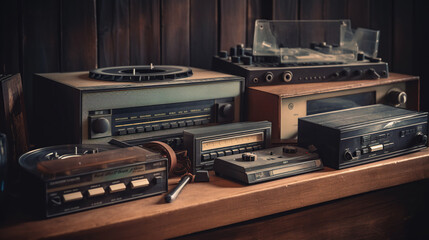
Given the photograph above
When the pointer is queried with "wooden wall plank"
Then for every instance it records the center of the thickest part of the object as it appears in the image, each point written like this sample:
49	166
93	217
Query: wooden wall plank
113	33
256	9
232	23
9	42
335	9
285	9
381	19
40	45
78	35
204	32
311	9
175	32
421	51
358	12
145	33
402	37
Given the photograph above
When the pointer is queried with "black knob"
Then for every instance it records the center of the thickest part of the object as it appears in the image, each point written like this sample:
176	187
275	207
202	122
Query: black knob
397	97
235	59
226	110
348	155
373	74
345	72
360	56
100	125
247	60
357	73
233	51
223	54
422	139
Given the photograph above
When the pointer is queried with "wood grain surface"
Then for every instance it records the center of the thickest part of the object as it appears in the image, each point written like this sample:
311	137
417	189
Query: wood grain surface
220	202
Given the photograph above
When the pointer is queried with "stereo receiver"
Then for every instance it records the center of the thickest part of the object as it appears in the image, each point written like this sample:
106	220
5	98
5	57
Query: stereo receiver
283	105
128	103
355	136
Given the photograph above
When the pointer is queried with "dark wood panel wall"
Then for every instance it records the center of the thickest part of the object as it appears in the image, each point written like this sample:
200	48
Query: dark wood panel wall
70	35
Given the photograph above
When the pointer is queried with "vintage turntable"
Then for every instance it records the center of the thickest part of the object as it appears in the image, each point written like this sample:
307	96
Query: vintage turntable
131	102
305	51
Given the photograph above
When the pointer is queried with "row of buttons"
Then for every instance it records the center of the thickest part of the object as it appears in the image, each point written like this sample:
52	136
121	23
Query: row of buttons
118	187
214	155
373	148
156	127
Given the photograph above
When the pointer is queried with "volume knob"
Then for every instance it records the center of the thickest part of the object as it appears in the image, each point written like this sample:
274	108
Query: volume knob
397	97
100	125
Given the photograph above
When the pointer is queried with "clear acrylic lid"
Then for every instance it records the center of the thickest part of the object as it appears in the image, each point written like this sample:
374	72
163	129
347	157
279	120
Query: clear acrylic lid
313	41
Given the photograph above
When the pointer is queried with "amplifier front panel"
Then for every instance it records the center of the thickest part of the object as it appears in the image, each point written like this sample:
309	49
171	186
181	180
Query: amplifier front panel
129	112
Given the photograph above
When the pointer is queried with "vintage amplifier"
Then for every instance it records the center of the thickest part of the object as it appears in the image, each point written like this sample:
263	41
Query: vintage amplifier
355	136
70	178
283	105
131	102
205	144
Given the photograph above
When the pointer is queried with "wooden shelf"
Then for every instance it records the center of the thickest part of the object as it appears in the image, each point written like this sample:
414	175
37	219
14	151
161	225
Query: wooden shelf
220	202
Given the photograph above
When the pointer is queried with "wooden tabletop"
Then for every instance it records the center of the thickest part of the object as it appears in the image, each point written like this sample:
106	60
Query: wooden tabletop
221	202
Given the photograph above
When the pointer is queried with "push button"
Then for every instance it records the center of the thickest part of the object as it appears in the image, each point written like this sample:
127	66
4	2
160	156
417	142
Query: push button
131	130
213	155
182	124
228	152
117	187
156	127
148	128
95	191
375	148
205	156
220	154
242	150
140	129
139	183
174	124
235	151
204	122
165	125
122	131
72	196
197	122
189	123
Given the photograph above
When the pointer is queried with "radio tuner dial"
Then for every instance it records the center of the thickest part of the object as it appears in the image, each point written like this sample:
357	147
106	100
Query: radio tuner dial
100	125
397	97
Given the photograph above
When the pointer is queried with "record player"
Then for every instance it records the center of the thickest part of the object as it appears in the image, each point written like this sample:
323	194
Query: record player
131	102
305	51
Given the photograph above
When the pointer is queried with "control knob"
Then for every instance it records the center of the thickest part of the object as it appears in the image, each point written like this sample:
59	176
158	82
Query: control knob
348	155
422	139
100	125
397	97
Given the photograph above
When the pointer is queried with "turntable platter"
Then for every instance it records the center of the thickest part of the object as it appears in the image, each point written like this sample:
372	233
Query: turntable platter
140	73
